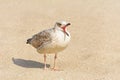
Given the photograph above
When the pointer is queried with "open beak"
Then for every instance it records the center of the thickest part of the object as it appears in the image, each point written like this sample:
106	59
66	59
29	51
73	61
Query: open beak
68	24
66	33
64	29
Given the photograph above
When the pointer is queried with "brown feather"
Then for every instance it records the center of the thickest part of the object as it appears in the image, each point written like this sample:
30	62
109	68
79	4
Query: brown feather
40	38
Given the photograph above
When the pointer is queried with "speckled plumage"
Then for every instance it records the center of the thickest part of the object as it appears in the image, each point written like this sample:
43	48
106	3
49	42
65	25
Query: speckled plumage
41	38
51	40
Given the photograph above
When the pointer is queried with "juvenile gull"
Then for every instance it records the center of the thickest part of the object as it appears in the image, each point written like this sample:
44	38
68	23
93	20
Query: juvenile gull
51	40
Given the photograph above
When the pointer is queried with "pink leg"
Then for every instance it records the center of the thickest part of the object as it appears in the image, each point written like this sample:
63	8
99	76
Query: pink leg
55	57
54	66
44	61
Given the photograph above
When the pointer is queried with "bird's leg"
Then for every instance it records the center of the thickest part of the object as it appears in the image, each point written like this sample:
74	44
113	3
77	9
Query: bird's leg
44	61
55	57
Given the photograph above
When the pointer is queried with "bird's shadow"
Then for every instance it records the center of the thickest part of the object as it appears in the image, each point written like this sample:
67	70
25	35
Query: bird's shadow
29	63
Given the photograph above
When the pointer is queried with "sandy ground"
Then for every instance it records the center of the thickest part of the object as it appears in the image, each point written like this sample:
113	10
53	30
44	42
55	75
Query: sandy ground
94	50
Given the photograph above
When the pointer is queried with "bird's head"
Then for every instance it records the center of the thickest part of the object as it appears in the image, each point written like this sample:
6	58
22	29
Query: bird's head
62	25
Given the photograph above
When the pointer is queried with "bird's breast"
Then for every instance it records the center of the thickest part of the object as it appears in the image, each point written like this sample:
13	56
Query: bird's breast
61	39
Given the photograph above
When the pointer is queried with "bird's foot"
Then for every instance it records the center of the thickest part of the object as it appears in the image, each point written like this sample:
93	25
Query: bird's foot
45	68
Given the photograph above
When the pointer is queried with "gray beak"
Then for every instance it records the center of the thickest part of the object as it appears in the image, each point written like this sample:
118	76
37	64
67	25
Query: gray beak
68	24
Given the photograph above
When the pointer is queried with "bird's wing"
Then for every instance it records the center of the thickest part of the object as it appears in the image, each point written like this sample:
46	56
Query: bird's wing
40	39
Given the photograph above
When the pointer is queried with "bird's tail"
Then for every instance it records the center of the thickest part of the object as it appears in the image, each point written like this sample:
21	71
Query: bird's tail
28	41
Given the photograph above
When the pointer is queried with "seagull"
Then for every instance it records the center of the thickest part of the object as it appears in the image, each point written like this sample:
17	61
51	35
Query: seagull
51	41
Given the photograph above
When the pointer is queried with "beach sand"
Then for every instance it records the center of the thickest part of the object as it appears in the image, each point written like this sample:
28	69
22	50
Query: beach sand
94	49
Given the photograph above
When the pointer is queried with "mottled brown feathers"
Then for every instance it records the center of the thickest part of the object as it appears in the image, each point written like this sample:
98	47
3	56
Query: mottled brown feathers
28	41
40	38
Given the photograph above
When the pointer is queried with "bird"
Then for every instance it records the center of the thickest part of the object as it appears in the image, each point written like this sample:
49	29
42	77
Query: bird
51	41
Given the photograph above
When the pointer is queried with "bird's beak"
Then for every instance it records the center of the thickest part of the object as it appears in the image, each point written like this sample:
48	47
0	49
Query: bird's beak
64	28
68	24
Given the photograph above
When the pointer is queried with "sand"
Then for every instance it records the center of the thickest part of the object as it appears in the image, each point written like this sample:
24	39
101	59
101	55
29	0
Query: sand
94	50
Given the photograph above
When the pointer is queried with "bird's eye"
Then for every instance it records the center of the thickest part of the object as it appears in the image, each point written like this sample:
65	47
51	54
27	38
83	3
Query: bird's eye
59	24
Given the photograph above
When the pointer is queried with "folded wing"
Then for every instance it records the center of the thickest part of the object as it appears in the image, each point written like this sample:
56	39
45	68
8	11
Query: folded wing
39	39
